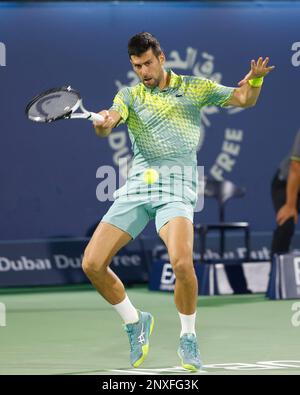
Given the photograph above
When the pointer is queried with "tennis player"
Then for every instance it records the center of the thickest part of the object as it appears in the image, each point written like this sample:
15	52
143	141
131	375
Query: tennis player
162	113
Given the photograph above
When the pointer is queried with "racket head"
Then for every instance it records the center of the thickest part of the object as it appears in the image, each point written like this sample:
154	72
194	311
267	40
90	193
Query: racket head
53	104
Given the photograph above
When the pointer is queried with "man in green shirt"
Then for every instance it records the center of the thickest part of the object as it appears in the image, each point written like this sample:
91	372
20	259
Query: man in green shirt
162	113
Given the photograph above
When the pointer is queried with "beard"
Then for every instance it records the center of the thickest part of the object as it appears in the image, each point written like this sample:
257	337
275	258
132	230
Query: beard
150	82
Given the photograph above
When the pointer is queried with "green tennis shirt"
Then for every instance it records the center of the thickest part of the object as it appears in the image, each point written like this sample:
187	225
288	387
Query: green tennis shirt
164	129
166	123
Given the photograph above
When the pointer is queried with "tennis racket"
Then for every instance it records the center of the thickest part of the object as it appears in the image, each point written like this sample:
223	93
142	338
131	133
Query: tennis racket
59	103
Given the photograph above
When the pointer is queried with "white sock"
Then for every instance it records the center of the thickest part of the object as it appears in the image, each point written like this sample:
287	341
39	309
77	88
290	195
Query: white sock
127	311
187	323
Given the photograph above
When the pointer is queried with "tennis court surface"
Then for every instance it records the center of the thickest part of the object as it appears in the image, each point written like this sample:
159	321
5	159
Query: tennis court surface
72	331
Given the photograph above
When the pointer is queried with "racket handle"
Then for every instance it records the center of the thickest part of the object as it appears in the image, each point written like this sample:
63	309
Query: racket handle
96	117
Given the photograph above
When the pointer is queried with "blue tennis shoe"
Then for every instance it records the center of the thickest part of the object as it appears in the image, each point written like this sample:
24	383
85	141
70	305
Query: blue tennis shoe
138	334
189	352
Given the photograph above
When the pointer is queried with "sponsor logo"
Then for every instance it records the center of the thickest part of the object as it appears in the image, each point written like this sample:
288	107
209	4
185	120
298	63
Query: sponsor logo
167	281
141	338
60	262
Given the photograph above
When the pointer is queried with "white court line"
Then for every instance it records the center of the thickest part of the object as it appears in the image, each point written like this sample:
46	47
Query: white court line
156	371
225	367
135	371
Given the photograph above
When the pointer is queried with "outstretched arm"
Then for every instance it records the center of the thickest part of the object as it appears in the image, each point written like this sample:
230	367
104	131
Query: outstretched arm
247	94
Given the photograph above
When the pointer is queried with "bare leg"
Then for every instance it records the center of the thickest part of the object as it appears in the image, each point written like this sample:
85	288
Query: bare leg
178	235
106	241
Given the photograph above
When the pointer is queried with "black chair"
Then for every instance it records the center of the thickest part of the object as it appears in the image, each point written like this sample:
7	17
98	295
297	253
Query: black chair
222	191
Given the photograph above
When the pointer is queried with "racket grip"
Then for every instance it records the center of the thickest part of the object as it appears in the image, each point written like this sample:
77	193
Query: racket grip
96	117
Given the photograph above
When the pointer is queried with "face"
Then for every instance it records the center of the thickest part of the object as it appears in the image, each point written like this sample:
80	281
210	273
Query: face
149	68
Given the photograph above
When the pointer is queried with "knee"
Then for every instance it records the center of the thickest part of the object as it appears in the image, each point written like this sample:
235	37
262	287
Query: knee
183	266
92	264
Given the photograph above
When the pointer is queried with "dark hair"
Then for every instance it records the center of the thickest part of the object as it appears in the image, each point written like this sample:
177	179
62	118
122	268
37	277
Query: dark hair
141	42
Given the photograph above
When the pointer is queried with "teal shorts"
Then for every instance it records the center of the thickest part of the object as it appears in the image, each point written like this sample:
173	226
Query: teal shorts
133	216
173	194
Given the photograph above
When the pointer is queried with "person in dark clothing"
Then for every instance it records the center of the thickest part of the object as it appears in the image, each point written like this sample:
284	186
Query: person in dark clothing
285	195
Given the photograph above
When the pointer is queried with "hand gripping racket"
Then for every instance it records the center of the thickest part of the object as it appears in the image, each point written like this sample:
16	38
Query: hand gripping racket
59	103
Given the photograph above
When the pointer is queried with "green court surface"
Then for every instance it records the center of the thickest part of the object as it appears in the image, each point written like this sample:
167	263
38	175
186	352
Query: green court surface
73	331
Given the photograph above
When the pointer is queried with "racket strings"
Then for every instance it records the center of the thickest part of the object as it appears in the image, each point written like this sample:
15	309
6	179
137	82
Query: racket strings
53	105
